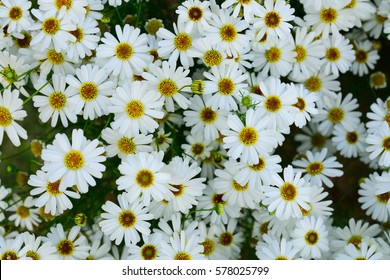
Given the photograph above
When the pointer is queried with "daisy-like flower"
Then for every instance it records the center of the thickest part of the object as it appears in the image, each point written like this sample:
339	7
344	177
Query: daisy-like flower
310	237
53	28
74	163
170	82
177	45
11	248
90	91
125	144
330	19
127	55
54	201
100	248
181	247
136	108
378	116
74	9
273	19
374	25
203	119
12	70
318	168
145	176
362	10
277	59
167	227
318	206
249	8
308	53
277	102
10	112
195	15
306	104
275	249
379	145
224	83
366	252
230	237
24	214
251	140
355	233
149	250
125	221
339	55
94	8
350	143
212	249
209	52
375	204
226	31
87	39
338	111
55	101
72	245
378	80
313	139
161	141
185	187
198	148
289	195
233	192
365	58
15	14
260	174
37	249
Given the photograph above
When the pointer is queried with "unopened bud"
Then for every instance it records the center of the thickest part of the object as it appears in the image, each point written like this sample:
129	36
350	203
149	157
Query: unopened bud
21	178
198	86
219	208
36	147
80	219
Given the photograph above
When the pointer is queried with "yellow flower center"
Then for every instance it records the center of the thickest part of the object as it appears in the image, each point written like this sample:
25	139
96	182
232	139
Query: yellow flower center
361	56
228	33
356	240
383	198
351	4
74	160
53	188
126	146
315	168
259	166
88	91
313	84
226	86
9	255
318	140
208	116
144	178
195	13
197	149
67	3
378	79
179	190
182	256
55	58
182	41
135	109
51	26
15	13
333	54
78	33
248	136
288	192
5	117
328	16
23	212
272	19
167	88
386	144
273	104
301	53
312	237
208	247
33	255
273	55
149	252
212	58
226	239
336	115
239	188
127	219
352	137
57	100
24	42
301	104
65	248
124	51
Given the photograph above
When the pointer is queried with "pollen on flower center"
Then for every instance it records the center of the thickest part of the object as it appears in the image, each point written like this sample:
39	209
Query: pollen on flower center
65	248
9	255
301	104
208	247
361	56
226	238
33	255
301	53
66	3
144	178
9	75
55	58
315	168
383	198
352	137
248	136
78	33
328	16
226	86
356	240
127	219
195	13
280	258
273	104
272	19
386	143
149	252
288	192
5	117
259	166
336	115
274	54
25	41
212	58
126	146
182	256
135	109
23	212
124	51
312	237
197	149
57	100
228	33
182	41
207	115
333	54
88	91
53	188
313	84
179	190
51	26
167	88
15	13
74	160
239	188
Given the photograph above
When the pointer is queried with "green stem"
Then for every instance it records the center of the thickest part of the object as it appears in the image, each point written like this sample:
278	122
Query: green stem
105	126
138	12
36	92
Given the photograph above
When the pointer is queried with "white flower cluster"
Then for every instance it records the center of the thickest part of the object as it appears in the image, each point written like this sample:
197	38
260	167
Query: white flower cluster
190	122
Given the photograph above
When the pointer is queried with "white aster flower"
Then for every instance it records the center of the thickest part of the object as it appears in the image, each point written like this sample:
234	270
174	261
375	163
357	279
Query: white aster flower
366	252
195	15
306	104
24	214
275	249
350	143
249	8
149	250
37	249
181	247
75	9
15	14
379	145
365	58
